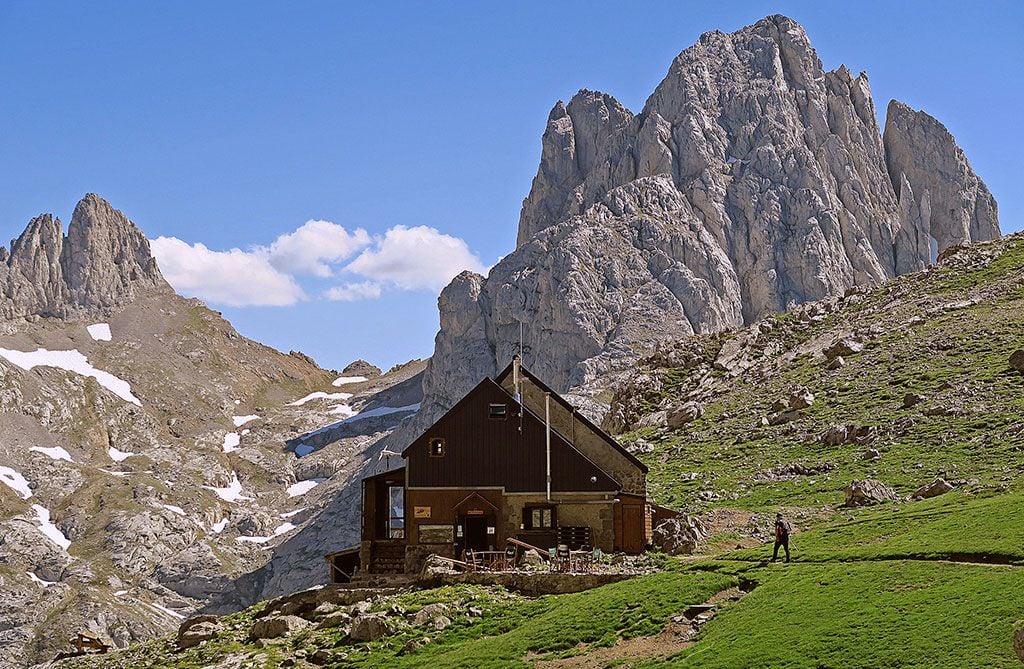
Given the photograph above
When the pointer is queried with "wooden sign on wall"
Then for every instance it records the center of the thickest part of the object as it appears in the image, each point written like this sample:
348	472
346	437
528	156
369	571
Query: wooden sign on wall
421	512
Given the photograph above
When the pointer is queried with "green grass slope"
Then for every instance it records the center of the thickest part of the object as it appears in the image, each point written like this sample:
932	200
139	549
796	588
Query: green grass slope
945	334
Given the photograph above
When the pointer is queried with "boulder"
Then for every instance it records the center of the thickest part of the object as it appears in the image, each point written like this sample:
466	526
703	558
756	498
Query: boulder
937	487
844	347
679	536
867	492
800	398
197	629
335	619
838	435
679	416
371	626
912	399
784	417
1017	360
273	627
428	613
412	645
1018	639
837	363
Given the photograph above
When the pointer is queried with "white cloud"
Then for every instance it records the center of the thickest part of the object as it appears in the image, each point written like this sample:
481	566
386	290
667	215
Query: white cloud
349	292
411	258
309	249
234	278
404	258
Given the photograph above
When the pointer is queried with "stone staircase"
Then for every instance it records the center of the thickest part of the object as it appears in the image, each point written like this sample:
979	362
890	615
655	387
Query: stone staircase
387	558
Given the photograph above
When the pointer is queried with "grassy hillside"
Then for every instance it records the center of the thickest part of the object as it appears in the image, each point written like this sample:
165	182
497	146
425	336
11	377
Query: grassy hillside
944	335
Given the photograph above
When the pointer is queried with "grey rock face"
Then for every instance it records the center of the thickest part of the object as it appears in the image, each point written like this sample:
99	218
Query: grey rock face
752	180
103	262
929	170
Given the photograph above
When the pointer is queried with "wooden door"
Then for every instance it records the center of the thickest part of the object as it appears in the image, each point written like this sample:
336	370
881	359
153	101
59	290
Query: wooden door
632	540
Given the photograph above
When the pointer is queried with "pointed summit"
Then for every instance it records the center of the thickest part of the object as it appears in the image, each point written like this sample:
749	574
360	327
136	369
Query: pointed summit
103	262
106	260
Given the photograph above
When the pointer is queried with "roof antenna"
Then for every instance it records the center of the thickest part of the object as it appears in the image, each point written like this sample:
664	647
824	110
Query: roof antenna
516	376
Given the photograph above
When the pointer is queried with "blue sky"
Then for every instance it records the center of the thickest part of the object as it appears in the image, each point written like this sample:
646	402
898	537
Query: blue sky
232	124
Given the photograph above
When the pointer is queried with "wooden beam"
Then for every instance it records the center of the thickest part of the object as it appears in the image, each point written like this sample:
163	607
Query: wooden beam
522	544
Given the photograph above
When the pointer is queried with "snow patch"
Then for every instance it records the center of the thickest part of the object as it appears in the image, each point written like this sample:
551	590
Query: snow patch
345	380
168	611
15	481
302	487
174	509
291	514
283	528
113	473
231	442
71	361
36	579
320	395
55	453
232	493
120	593
118	455
99	331
242	420
343	410
49	530
219	526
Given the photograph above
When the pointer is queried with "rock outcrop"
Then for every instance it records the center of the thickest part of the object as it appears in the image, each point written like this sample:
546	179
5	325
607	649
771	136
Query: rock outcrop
104	262
752	180
867	492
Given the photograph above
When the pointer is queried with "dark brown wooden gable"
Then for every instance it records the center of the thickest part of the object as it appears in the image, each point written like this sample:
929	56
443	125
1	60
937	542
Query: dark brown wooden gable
587	423
485	452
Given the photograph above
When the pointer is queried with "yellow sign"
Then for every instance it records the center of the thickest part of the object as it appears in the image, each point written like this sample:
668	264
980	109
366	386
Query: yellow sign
421	512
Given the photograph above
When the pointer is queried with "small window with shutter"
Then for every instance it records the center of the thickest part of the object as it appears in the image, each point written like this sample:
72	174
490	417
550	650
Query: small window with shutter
436	447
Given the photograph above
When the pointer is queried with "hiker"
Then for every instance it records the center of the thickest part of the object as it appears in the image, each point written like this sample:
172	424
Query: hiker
782	530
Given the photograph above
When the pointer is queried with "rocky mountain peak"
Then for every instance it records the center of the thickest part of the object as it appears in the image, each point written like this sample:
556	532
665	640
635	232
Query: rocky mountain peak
103	262
753	180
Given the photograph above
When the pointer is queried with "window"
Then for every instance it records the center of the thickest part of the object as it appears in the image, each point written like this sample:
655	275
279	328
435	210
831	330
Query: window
396	512
538	517
497	411
436	447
